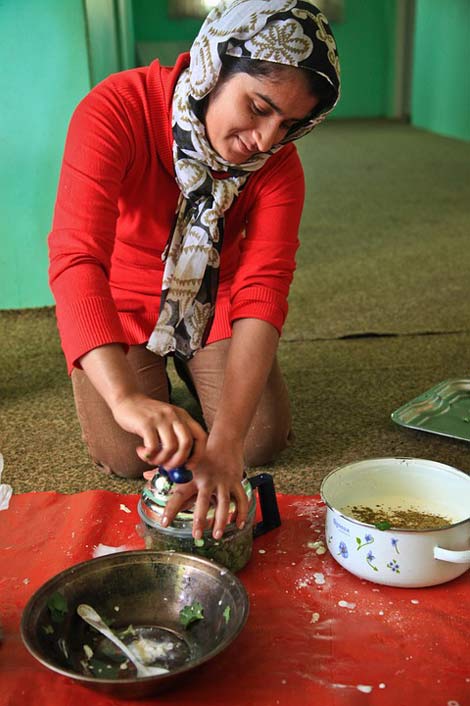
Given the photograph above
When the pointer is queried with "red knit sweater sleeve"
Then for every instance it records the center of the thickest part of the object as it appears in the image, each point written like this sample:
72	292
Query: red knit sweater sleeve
267	261
98	152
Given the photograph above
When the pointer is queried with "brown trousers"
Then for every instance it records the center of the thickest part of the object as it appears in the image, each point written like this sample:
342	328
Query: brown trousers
113	449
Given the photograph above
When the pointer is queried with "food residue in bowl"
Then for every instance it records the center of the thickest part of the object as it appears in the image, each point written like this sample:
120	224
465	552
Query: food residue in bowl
148	651
383	517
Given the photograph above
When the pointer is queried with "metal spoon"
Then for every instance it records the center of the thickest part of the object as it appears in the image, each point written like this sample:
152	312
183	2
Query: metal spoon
90	616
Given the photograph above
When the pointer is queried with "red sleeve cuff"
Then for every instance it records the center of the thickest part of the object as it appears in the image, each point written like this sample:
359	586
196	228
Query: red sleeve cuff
260	303
87	324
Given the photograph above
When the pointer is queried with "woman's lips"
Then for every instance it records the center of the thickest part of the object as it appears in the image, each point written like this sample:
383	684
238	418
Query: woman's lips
245	149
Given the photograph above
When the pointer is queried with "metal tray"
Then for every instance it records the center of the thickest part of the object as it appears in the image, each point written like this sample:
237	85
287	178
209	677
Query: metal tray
444	410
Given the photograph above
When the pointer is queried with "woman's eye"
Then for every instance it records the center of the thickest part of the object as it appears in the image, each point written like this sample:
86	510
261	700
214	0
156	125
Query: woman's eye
257	110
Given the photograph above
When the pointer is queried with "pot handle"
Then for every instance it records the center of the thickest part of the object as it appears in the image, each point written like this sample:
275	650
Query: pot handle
452	555
268	503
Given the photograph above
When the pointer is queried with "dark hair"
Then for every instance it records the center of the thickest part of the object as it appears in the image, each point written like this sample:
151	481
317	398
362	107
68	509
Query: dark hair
318	86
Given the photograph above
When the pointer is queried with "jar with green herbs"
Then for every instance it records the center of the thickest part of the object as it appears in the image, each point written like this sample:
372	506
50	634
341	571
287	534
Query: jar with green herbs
233	550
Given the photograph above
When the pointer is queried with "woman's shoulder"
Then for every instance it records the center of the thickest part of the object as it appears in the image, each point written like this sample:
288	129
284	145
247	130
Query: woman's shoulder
142	93
129	88
144	83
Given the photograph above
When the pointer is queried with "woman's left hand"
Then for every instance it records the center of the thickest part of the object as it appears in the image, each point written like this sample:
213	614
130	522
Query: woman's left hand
218	475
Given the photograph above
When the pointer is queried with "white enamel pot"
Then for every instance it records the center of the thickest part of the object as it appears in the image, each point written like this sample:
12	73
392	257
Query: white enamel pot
399	557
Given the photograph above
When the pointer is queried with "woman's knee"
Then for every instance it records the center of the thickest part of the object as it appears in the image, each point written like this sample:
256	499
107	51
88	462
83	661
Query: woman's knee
130	468
111	448
265	442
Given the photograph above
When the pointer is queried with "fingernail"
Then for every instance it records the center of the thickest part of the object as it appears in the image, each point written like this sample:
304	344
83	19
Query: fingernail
241	525
198	534
164	521
217	534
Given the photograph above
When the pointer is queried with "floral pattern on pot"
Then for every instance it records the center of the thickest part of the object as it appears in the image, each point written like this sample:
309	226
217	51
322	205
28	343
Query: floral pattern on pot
394	566
370	558
368	539
394	542
343	550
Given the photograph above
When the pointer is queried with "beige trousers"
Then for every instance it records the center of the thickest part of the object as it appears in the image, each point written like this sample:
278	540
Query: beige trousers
113	449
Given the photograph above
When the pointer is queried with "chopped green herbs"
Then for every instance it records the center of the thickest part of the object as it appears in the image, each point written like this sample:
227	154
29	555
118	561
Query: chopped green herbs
57	605
191	613
233	550
384	518
226	614
103	669
127	632
48	629
384	525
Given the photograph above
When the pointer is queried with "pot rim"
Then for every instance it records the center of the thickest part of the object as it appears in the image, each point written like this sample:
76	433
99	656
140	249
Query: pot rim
354	521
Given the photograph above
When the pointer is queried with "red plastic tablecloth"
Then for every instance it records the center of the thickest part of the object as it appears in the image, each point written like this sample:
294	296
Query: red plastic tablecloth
316	635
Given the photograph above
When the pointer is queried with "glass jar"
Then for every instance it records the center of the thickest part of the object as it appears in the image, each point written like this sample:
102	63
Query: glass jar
233	550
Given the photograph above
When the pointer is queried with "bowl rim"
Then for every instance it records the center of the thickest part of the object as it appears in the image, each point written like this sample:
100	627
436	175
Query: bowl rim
127	556
437	464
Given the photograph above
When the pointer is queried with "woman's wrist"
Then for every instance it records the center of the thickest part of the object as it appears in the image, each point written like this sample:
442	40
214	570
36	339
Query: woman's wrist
223	435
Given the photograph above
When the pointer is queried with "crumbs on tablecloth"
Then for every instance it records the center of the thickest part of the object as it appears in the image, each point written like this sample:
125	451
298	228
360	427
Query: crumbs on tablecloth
365	688
319	546
104	549
345	604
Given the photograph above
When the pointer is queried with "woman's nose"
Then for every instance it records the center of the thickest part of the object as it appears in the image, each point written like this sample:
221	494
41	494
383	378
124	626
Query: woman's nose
267	135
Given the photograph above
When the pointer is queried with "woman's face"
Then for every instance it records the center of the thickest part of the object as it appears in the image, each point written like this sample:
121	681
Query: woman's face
247	115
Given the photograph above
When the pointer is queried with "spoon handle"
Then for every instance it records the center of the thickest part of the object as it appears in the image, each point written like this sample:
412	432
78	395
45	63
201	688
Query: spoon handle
90	616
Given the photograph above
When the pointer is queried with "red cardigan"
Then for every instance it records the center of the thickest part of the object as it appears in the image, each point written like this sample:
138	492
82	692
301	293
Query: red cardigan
115	207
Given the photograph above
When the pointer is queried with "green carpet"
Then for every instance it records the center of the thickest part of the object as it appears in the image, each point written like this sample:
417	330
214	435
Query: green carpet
384	250
384	239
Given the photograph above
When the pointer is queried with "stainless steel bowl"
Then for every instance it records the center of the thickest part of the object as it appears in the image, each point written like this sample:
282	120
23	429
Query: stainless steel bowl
144	591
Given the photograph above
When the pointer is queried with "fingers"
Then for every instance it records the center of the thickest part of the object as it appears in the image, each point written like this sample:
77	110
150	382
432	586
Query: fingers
242	505
172	440
179	497
200	511
199	443
221	514
175	443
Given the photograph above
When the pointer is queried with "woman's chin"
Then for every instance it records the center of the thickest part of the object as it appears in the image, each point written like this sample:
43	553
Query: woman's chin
235	153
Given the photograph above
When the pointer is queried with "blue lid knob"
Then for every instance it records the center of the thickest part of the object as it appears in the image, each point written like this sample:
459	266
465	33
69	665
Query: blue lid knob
179	474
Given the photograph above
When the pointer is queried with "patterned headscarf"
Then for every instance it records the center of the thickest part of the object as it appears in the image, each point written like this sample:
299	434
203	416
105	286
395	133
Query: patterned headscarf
291	32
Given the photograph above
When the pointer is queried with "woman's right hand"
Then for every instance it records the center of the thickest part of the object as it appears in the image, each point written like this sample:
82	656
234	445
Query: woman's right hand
171	437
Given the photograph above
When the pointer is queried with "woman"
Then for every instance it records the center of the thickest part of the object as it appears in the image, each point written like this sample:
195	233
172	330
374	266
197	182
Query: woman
162	167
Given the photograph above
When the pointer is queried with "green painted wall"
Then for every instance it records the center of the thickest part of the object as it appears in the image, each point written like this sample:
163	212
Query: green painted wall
152	23
44	73
441	74
110	36
54	50
366	45
366	41
51	53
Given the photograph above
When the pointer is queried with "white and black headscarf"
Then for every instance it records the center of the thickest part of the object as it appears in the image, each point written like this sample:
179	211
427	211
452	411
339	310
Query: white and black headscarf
290	32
